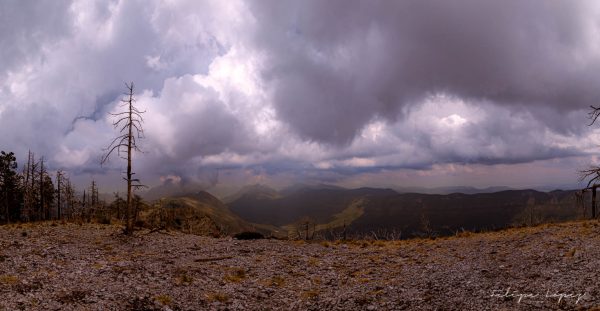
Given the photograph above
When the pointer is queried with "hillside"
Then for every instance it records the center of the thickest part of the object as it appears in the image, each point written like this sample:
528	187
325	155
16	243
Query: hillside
51	266
199	213
256	191
365	210
319	204
449	190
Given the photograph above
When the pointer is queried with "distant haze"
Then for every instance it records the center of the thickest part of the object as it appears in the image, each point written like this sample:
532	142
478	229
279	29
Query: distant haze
397	94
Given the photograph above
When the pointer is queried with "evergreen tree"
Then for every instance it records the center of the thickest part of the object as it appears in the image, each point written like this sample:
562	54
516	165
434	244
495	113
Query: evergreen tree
10	190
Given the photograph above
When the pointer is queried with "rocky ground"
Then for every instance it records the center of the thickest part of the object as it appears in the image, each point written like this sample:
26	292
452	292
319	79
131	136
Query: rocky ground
53	266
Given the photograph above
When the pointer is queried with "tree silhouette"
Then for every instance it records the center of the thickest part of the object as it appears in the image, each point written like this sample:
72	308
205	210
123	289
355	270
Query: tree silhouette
30	196
59	202
9	186
592	172
129	122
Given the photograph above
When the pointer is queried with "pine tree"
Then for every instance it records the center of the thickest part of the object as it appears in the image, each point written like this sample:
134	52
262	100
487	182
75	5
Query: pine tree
10	192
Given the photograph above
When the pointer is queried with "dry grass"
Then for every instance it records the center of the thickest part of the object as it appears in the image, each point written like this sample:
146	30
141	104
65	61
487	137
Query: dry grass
310	294
276	281
9	279
185	279
164	299
217	296
236	275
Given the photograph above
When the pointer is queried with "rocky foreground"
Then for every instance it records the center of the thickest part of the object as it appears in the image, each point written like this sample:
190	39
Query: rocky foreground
53	266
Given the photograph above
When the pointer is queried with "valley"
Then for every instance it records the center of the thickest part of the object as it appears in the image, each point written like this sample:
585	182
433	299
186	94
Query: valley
330	211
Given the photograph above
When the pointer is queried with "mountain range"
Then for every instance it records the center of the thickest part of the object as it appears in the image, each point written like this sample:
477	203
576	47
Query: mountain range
330	210
366	210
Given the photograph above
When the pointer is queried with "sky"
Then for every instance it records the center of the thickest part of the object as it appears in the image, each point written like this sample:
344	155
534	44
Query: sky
423	93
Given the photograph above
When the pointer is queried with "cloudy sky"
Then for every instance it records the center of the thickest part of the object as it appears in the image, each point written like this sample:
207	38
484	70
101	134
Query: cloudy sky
354	93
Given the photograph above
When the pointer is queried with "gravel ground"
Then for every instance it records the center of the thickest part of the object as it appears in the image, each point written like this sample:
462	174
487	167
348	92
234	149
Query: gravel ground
51	266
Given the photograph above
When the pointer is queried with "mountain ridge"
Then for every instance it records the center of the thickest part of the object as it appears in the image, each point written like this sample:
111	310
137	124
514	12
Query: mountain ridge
413	213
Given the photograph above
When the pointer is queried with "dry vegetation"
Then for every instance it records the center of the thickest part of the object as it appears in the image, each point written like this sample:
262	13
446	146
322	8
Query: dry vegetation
50	266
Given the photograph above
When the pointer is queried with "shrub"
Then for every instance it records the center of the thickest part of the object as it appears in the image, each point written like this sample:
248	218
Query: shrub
104	220
249	235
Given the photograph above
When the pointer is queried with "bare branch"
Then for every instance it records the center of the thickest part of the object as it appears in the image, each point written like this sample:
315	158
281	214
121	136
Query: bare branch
115	140
594	114
107	155
593	172
118	114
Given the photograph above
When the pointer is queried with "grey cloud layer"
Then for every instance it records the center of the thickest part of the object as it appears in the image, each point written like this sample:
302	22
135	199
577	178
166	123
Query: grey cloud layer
372	59
301	85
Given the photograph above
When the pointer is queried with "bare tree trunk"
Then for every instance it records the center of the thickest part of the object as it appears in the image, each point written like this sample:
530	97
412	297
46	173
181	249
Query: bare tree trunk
130	122
58	181
32	194
70	198
25	211
41	209
118	206
531	215
306	238
593	202
83	209
6	206
129	174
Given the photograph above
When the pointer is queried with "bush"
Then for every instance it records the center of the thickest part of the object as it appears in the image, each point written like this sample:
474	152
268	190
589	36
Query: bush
249	235
104	220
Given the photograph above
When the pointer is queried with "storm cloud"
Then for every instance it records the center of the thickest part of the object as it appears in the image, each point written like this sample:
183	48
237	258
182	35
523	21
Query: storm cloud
325	90
374	59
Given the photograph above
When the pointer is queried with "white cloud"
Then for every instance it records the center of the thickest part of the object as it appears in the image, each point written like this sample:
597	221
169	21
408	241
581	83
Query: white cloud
317	89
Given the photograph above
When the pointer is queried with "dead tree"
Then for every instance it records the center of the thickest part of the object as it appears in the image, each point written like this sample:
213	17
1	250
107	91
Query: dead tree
303	225
92	202
581	196
83	206
41	210
70	197
29	189
65	195
593	172
580	201
59	182
129	123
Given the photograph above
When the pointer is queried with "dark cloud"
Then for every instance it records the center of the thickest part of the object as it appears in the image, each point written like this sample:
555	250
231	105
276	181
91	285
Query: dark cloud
312	89
334	66
28	26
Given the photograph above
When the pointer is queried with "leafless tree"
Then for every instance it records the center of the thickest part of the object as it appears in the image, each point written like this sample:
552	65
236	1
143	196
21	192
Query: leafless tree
29	189
129	122
93	201
66	196
303	228
70	197
425	227
593	172
59	190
